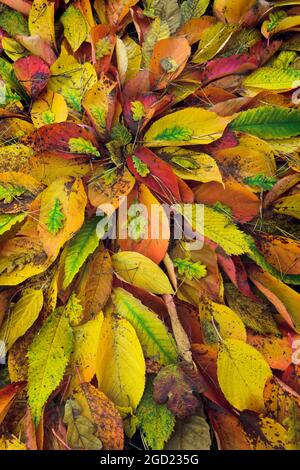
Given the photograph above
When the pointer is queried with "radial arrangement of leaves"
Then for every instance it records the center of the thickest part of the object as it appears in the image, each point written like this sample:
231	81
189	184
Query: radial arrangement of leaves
143	342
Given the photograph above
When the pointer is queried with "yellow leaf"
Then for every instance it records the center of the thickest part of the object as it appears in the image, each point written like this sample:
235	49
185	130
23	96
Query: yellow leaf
190	165
242	375
140	271
274	79
290	22
232	11
41	20
213	40
190	126
289	205
71	79
11	443
122	59
94	284
13	49
96	101
100	410
134	58
284	298
72	201
22	315
86	343
50	107
48	168
263	433
120	363
75	27
20	258
217	227
247	162
219	322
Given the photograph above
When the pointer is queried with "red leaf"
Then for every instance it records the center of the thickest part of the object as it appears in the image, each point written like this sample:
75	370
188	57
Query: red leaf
33	73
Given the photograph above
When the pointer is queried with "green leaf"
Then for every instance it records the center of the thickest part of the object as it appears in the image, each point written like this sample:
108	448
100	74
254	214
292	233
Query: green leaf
121	134
56	218
189	269
137	110
275	18
13	22
268	122
75	27
285	59
10	192
156	421
48	357
155	340
8	220
81	145
141	167
79	248
193	9
81	433
265	183
99	114
48	117
175	133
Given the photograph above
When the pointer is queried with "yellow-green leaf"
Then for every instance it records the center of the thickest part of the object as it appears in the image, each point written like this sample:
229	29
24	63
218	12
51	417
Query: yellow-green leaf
289	205
274	79
155	340
48	357
8	220
217	227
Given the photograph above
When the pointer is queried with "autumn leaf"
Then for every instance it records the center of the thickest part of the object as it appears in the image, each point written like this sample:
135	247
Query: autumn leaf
120	363
21	316
156	421
242	374
149	225
48	357
155	340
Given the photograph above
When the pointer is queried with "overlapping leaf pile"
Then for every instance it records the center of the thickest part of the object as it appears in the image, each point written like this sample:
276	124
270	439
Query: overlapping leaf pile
143	342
